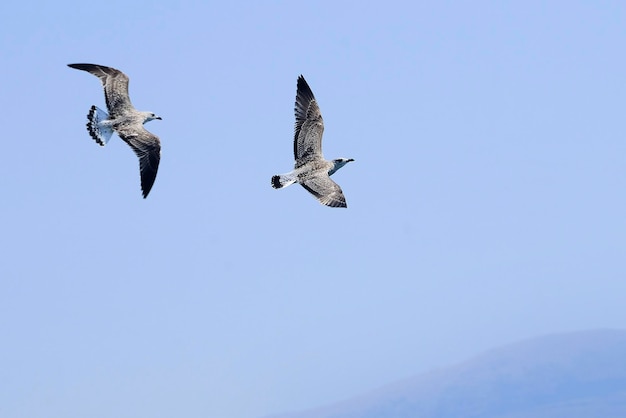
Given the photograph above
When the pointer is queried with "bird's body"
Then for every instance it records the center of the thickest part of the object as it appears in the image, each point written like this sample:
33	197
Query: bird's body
125	120
311	170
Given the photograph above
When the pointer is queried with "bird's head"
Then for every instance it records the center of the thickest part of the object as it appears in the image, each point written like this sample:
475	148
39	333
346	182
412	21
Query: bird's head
150	116
338	163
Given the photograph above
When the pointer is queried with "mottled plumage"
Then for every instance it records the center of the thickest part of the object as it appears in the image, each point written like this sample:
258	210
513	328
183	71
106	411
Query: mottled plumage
311	170
125	120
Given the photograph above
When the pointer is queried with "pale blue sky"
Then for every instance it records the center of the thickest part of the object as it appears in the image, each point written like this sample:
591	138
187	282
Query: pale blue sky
486	202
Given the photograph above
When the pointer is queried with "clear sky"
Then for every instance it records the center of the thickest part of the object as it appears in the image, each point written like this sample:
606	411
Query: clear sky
486	203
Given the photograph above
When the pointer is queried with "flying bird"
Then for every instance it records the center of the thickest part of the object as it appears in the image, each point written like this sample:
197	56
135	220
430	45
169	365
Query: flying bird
311	170
125	120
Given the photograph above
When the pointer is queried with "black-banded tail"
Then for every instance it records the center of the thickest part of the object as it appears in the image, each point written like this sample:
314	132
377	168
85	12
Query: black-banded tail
283	180
99	130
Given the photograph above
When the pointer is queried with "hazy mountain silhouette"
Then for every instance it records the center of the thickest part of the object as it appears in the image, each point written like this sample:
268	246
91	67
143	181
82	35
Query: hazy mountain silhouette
573	375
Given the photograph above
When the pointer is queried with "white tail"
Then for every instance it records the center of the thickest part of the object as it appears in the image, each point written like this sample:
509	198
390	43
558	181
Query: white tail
283	180
99	130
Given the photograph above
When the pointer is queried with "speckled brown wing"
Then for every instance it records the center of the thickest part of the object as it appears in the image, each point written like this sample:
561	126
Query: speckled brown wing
115	85
148	149
309	127
325	190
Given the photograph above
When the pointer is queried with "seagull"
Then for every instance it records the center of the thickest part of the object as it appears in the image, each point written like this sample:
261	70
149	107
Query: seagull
311	170
125	120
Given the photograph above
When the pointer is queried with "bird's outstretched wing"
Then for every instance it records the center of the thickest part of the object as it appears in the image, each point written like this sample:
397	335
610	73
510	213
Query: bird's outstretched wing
148	149
309	127
325	190
115	85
